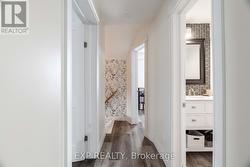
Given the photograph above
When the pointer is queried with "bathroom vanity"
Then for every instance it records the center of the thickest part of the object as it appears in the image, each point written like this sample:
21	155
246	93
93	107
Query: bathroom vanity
199	117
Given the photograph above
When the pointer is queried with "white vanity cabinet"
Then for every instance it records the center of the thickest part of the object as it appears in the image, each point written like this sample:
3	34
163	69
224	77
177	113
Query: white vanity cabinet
199	116
199	113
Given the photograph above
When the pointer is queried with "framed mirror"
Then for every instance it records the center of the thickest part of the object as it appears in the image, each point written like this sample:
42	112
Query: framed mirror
195	61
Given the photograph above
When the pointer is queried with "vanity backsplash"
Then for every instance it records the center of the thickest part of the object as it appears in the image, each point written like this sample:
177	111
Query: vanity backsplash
201	31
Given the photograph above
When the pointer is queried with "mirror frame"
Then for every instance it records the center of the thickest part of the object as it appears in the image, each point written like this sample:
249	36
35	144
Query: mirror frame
200	42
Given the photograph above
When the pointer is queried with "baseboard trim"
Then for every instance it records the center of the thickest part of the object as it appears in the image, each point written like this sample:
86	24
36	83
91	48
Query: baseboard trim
101	142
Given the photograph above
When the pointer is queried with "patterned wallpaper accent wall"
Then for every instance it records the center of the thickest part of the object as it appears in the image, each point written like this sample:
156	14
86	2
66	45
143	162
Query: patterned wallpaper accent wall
116	80
202	31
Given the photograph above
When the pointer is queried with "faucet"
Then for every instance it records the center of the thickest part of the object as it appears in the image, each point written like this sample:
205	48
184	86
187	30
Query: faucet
191	92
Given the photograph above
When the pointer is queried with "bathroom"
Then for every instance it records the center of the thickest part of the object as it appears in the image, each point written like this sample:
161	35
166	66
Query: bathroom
198	110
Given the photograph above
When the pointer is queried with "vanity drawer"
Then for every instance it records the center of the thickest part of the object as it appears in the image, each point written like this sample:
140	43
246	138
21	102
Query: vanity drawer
199	121
195	107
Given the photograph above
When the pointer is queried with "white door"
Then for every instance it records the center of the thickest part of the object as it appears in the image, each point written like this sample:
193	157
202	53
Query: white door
78	105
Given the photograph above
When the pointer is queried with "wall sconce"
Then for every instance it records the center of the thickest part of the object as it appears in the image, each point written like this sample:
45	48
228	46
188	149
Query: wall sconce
188	33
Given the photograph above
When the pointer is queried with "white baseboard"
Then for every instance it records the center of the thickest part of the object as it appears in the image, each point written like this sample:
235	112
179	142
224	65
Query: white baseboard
126	118
101	142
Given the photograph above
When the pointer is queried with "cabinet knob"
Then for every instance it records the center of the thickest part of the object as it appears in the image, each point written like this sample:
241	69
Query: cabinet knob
193	107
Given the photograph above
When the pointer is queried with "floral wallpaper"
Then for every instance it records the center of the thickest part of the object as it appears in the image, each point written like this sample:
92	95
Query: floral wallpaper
116	81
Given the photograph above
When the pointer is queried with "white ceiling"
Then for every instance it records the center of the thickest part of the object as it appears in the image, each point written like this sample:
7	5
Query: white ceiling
118	40
201	12
123	20
117	12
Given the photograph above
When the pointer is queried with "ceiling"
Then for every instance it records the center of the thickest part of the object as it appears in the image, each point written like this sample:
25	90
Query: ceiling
123	20
118	40
118	12
201	12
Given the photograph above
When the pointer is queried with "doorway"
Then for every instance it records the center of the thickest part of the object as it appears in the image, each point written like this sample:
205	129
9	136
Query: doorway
138	90
140	56
197	95
81	95
199	101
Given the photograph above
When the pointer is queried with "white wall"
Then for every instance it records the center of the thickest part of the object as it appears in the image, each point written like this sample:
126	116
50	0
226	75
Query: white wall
129	86
141	36
159	130
119	40
101	109
157	36
237	81
30	86
237	58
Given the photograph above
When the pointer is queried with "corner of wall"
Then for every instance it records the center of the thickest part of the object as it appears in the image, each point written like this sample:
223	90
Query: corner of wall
159	148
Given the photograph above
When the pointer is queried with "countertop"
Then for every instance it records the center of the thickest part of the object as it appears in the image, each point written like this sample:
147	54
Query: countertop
197	98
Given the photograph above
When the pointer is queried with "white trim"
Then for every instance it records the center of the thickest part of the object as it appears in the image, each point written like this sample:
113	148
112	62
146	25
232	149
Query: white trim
94	12
66	131
66	87
88	9
63	151
146	88
177	35
139	47
133	93
219	158
100	99
178	82
78	11
175	99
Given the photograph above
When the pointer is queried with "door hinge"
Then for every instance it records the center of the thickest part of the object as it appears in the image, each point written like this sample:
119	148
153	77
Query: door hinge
184	104
85	44
86	138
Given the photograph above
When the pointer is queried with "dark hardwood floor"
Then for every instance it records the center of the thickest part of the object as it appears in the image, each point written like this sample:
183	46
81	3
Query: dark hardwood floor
199	159
125	138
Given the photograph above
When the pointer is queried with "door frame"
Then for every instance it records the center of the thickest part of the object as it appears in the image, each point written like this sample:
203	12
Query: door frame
178	81
76	13
86	11
134	80
134	77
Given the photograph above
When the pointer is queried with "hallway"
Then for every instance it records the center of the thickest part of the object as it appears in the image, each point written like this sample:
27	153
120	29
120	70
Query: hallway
125	138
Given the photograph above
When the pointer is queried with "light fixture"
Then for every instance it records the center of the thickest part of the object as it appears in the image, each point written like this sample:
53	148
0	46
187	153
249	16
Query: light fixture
188	33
